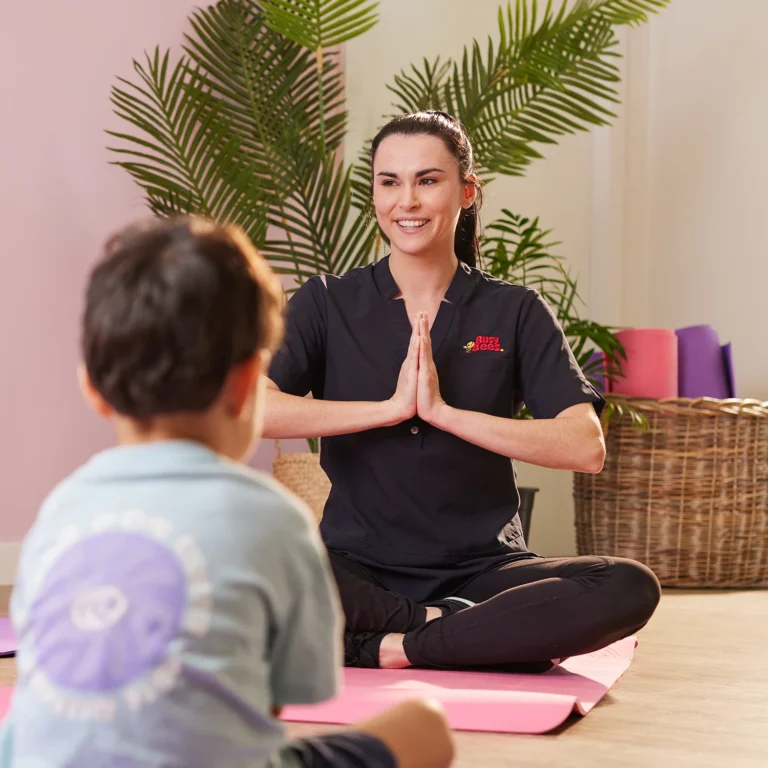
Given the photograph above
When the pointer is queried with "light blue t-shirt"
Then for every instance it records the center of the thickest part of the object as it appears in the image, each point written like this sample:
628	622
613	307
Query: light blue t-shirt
166	600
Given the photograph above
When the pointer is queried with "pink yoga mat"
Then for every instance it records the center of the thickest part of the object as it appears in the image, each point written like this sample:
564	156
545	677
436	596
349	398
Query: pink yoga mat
5	701
7	638
650	369
480	701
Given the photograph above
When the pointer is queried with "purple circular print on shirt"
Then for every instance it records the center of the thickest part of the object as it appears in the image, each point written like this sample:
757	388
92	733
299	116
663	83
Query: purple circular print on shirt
107	610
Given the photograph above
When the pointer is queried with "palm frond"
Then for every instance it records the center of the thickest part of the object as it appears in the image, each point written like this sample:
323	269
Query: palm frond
518	250
547	75
265	81
324	233
320	24
187	158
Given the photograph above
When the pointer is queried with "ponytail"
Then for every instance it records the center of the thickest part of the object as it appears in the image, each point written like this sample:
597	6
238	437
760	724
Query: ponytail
465	242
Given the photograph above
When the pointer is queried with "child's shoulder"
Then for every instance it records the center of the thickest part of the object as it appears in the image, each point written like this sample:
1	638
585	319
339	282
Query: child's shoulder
268	494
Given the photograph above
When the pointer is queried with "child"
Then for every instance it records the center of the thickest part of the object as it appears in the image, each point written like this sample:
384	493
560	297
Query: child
169	600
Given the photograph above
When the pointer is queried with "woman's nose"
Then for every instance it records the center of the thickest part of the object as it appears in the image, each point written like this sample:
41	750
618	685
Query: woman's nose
409	199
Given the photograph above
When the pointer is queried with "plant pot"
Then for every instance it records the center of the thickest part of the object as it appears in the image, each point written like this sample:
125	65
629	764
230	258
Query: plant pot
527	496
302	474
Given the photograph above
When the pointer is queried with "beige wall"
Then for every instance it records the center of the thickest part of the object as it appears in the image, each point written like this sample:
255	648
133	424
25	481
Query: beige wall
661	215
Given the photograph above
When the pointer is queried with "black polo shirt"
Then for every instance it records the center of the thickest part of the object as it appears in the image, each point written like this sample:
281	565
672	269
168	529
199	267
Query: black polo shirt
420	508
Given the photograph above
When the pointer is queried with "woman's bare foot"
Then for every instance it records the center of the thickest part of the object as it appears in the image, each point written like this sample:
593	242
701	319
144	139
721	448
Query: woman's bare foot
391	653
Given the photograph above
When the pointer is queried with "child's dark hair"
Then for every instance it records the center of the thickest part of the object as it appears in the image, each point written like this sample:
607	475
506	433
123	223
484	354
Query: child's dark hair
455	138
170	309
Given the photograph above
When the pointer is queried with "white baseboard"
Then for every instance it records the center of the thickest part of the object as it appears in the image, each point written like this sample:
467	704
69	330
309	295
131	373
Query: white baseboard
9	558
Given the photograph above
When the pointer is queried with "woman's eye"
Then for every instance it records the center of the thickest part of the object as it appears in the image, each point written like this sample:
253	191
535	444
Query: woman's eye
388	183
429	182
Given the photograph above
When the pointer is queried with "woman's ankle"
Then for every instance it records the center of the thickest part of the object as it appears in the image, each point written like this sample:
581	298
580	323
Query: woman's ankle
391	652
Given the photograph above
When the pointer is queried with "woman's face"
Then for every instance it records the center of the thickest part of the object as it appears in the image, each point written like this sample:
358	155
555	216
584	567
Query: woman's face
418	194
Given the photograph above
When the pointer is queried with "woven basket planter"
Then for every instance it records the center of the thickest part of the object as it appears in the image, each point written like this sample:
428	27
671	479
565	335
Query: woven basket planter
688	497
302	474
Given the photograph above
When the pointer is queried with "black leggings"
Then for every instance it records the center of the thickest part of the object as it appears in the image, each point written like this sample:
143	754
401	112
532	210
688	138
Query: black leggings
530	610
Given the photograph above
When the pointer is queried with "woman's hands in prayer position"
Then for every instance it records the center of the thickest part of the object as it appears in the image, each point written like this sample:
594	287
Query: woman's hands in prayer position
572	440
418	386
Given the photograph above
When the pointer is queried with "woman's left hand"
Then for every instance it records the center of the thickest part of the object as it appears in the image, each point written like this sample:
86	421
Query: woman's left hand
429	402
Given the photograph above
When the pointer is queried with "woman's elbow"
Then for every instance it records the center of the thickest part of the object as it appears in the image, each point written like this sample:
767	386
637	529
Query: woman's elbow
594	458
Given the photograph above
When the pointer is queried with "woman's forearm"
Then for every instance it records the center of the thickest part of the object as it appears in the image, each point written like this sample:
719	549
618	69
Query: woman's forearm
287	416
565	442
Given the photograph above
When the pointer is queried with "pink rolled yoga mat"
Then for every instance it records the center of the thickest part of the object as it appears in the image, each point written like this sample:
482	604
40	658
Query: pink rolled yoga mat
701	363
650	369
7	638
480	701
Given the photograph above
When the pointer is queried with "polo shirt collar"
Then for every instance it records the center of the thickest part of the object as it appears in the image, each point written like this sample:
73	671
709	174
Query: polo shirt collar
388	288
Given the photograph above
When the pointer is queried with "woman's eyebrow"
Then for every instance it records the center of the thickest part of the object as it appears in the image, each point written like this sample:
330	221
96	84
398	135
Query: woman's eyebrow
419	174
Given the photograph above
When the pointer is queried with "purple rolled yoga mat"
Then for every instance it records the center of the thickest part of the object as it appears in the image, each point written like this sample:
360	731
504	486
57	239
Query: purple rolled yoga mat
701	372
595	370
730	374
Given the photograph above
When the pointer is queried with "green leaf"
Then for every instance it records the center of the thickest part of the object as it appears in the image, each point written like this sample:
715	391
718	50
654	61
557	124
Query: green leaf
320	24
186	157
322	229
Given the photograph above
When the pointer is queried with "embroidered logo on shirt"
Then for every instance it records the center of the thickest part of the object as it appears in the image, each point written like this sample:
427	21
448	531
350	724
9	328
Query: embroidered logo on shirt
483	344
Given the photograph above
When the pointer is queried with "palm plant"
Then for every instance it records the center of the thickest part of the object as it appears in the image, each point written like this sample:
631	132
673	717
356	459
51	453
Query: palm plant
247	124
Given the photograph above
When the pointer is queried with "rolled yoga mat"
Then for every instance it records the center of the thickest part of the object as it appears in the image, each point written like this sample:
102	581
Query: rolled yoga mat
595	370
650	369
701	365
479	701
730	373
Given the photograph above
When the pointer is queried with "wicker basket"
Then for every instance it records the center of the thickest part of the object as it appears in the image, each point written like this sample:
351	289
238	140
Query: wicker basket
302	474
687	497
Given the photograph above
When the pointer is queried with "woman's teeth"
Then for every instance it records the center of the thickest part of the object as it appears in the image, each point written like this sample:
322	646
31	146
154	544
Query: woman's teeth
413	224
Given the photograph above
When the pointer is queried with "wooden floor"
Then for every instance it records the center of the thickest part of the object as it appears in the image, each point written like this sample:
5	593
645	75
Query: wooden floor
696	695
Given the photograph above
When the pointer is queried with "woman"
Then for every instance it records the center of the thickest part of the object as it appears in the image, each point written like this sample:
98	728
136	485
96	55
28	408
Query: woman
417	365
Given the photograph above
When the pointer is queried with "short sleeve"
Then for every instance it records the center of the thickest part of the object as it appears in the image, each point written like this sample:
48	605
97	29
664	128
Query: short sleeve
298	366
549	378
306	651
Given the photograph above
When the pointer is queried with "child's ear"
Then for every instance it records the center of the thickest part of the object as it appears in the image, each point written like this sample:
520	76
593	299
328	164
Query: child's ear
91	394
242	381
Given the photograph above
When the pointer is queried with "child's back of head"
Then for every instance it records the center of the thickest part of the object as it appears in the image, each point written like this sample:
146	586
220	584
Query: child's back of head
172	310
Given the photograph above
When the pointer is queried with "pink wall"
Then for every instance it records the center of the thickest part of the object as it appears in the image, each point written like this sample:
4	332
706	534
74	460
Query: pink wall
59	199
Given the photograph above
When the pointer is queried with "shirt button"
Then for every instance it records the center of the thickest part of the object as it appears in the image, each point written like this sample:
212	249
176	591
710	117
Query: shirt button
414	430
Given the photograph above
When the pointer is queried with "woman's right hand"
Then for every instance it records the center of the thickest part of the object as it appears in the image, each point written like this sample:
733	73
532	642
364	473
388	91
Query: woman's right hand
403	402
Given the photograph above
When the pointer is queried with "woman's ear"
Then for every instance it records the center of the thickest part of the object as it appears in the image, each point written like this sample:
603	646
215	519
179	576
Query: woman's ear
470	191
91	395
